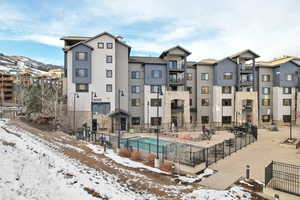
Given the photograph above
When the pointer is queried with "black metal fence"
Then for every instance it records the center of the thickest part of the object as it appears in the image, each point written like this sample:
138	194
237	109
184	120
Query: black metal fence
283	177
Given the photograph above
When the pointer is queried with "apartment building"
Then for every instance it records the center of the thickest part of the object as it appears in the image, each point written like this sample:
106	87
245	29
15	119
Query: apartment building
168	89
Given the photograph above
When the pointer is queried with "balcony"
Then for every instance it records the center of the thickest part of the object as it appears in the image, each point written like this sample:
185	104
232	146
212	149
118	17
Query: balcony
173	81
247	69
246	83
176	67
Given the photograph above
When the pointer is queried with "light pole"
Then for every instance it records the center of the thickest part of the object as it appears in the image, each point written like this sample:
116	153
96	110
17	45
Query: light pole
93	95
159	92
291	109
148	105
74	111
120	93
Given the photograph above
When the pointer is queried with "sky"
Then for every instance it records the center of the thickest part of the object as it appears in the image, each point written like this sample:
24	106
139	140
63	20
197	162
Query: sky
208	29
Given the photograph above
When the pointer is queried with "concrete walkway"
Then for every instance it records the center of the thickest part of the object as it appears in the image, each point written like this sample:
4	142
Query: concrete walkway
259	154
220	180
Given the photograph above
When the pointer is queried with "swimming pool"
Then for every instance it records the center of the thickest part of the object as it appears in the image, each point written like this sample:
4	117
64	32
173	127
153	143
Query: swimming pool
147	144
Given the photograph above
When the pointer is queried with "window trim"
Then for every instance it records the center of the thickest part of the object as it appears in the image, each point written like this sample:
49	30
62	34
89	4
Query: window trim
269	90
85	56
107	86
76	72
203	88
224	75
206	76
107	60
134	91
266	75
102	45
134	72
107	45
77	87
109	70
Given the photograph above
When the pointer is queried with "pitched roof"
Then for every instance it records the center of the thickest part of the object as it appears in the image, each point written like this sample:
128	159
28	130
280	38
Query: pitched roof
145	60
242	52
178	46
87	39
208	61
79	43
277	61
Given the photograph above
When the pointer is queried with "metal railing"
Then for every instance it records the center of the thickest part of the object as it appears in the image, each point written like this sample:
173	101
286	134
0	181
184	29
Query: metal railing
284	177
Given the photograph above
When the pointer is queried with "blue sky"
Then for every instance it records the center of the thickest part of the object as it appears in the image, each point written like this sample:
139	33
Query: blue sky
209	29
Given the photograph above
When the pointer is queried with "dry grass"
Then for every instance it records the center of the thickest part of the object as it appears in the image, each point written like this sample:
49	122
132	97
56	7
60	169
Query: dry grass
167	166
125	153
136	156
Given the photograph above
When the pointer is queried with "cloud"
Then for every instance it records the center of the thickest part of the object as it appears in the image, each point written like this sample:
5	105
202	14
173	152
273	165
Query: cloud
44	39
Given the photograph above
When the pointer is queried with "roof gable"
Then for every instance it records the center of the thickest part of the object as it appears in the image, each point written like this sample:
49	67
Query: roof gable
78	44
166	52
245	53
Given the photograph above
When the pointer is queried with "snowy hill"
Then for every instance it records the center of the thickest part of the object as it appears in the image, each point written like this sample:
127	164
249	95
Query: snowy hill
20	63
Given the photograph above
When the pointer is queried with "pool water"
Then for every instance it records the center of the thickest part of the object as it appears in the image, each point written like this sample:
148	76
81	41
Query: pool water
147	144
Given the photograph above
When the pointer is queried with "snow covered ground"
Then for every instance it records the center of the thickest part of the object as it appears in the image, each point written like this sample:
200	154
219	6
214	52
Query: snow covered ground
32	168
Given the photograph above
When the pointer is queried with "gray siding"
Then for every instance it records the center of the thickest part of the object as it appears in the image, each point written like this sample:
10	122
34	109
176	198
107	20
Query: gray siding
225	66
284	69
136	111
76	64
153	81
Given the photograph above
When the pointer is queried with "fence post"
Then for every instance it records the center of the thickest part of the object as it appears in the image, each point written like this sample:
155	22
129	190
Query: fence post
138	145
229	145
215	153
190	152
235	144
206	157
223	150
149	147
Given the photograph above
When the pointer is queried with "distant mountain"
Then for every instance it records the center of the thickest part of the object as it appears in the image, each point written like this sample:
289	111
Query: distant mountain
19	63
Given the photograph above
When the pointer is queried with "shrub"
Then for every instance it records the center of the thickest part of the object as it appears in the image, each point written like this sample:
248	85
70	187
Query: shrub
136	156
167	166
124	153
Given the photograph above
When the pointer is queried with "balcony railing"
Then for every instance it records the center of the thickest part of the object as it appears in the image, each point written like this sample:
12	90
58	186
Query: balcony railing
176	81
246	68
246	83
178	67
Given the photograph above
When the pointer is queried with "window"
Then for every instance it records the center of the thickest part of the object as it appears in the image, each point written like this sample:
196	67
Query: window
286	102
288	77
204	119
286	118
227	75
135	74
82	87
226	102
226	89
135	121
172	64
265	102
266	90
155	88
108	73
81	56
189	76
108	59
155	102
155	121
135	102
226	119
287	90
109	45
101	108
204	76
108	87
191	102
136	89
82	73
189	89
156	74
266	78
204	90
266	118
204	102
100	45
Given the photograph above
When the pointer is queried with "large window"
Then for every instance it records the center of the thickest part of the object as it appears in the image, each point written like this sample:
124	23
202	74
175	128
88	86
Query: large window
155	121
135	102
287	90
266	78
172	64
82	73
156	74
80	87
81	56
204	76
226	119
204	119
135	89
286	118
155	102
135	120
226	89
265	102
226	102
266	118
108	73
286	102
204	90
204	102
266	90
108	87
289	77
227	75
109	45
189	76
101	108
155	88
135	75
108	59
